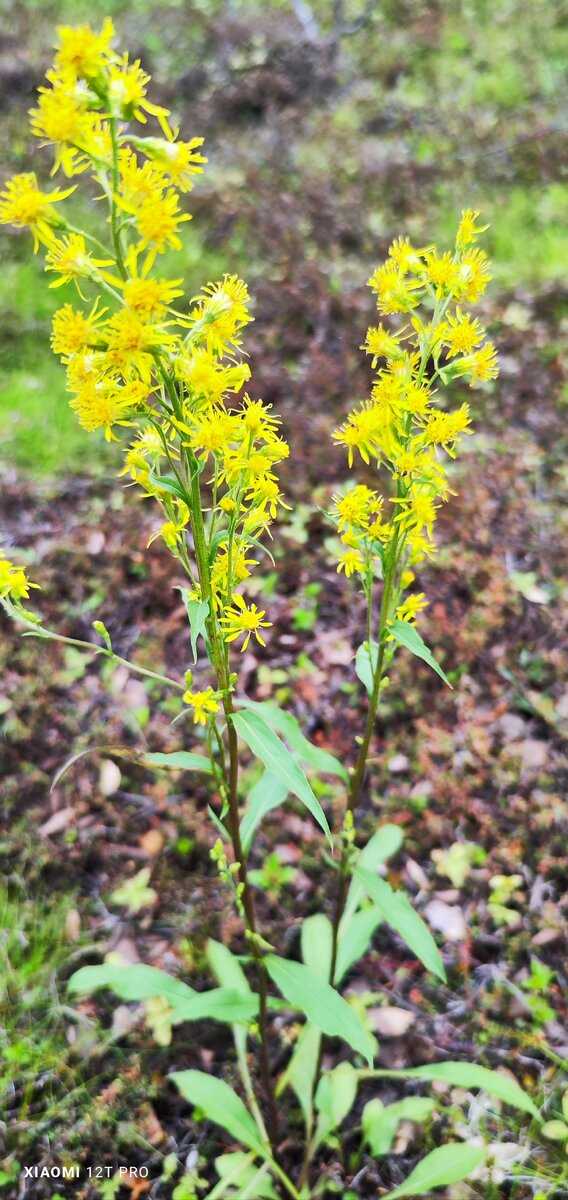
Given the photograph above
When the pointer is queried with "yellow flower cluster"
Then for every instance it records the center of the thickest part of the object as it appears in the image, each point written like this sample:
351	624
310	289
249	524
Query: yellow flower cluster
401	426
14	583
172	375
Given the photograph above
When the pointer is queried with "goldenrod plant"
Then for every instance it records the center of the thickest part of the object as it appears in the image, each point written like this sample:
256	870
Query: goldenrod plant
165	380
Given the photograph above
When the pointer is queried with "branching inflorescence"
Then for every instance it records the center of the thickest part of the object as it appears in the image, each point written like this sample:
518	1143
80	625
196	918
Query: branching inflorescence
168	377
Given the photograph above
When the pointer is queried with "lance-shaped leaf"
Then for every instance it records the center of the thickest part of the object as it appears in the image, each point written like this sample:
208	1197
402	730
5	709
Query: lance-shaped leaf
308	993
141	982
471	1075
286	724
447	1164
263	742
197	612
221	1105
397	911
366	664
270	792
407	635
179	760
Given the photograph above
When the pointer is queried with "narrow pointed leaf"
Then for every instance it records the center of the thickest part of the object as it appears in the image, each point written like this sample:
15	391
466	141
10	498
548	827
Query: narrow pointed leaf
447	1164
301	1070
136	982
197	611
179	760
307	992
267	794
227	968
286	724
384	844
263	742
355	940
471	1075
167	484
366	664
221	1105
398	913
407	635
317	943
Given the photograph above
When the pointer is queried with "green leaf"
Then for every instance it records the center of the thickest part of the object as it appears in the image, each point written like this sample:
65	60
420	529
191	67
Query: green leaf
398	912
354	939
141	982
407	635
197	611
286	724
470	1075
166	484
305	991
380	1124
136	982
334	1099
227	968
317	942
384	844
221	1105
252	728
267	794
447	1164
237	1170
301	1070
218	1004
366	664
179	760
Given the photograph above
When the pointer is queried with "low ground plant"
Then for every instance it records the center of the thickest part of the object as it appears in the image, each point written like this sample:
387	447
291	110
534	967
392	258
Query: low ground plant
167	378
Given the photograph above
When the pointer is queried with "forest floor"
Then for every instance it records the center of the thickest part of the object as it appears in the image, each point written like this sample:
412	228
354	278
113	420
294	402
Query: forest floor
475	777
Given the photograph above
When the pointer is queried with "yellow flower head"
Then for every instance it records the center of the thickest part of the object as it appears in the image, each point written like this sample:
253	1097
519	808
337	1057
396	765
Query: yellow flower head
480	366
157	218
126	86
461	334
381	344
351	561
474	275
179	161
23	204
69	258
131	343
81	52
242	619
14	583
353	510
411	606
204	705
74	332
468	231
221	312
103	403
145	295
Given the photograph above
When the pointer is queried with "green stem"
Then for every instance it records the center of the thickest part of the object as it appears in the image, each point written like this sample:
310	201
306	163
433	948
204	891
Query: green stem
48	635
112	200
223	681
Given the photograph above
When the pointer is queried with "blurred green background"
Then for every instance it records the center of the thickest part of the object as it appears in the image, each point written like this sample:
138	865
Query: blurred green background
329	131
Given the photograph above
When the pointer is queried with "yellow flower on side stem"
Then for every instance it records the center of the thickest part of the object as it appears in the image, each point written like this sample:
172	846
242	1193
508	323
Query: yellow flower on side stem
73	331
243	619
23	204
14	583
204	705
69	258
411	606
